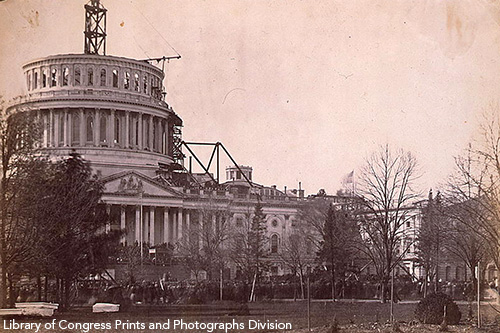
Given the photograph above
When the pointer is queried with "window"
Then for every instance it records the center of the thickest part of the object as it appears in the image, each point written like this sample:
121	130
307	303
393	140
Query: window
126	81
102	128
103	77
90	75
75	128
136	141
61	127
90	129
78	75
117	129
145	87
28	80
44	78
274	243
115	78
65	76
239	222
53	78
448	273
137	87
35	80
408	224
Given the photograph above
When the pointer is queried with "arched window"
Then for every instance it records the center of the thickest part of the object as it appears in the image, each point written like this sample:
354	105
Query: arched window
65	76
90	76
126	81
103	129
53	78
117	129
274	243
44	78
103	77
90	129
137	87
78	75
448	273
115	78
75	129
35	79
145	84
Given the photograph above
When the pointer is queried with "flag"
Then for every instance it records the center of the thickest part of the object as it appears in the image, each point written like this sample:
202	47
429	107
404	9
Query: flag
348	182
349	178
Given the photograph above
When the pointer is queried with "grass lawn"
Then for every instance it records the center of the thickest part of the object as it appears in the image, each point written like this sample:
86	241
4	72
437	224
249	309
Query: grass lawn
352	317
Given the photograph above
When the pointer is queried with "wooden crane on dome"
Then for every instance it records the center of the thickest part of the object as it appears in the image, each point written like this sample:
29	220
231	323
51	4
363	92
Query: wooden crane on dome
95	28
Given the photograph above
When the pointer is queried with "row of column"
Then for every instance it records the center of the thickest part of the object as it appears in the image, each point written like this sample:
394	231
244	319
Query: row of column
77	127
172	221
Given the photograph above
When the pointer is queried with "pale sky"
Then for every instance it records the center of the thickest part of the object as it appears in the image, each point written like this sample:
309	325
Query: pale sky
299	90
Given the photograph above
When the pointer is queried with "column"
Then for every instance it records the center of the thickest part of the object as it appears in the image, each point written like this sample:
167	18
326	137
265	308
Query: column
157	135
127	129
51	128
45	131
83	127
65	129
97	127
174	233
152	225
179	223
112	129
138	224
167	137
56	129
151	133
200	228
108	224
165	225
123	222
188	224
139	136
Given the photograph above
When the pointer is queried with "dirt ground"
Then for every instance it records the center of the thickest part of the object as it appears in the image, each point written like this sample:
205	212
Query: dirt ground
355	317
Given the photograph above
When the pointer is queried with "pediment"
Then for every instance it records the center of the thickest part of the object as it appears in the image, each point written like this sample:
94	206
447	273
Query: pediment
134	183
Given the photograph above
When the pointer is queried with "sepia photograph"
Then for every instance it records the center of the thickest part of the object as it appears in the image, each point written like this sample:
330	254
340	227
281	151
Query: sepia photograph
249	166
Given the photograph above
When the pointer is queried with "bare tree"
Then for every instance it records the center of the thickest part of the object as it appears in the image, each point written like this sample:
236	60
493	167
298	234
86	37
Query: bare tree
296	253
385	188
474	188
204	246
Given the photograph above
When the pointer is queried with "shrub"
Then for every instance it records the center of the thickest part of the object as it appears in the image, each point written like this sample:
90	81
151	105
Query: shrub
430	310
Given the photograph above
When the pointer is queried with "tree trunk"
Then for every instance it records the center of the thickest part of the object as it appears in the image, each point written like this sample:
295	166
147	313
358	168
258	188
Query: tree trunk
45	288
302	285
39	287
3	241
